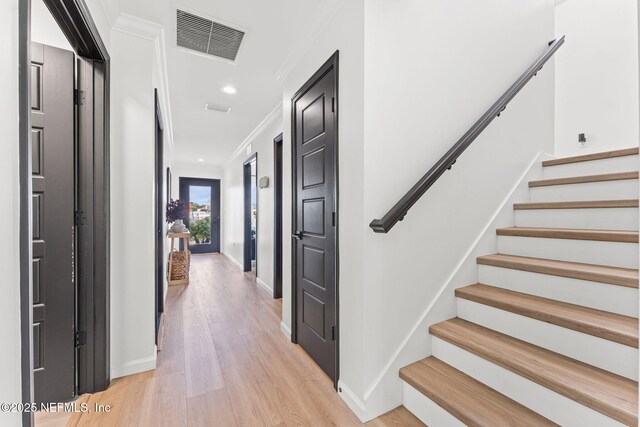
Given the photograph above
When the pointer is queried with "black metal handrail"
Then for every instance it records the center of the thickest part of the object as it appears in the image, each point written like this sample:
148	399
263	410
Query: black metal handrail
400	209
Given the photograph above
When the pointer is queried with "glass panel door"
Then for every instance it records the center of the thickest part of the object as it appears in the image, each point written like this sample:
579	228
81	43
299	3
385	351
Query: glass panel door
202	198
199	209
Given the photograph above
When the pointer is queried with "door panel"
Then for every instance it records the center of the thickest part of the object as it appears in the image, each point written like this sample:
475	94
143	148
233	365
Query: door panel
315	243
202	198
53	181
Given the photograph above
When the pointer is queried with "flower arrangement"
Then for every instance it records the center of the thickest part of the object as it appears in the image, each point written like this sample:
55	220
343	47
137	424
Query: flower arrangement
176	210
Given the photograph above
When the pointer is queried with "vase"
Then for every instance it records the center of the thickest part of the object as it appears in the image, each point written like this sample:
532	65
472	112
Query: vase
178	226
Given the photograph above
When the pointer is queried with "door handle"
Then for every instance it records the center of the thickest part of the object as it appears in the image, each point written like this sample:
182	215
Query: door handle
297	235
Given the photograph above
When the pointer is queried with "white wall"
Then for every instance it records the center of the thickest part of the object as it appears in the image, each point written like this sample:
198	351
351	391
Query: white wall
430	73
10	385
44	28
345	32
233	196
132	200
137	68
597	75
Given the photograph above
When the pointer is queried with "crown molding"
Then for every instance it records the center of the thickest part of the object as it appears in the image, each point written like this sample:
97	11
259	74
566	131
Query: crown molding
107	12
274	114
138	27
327	11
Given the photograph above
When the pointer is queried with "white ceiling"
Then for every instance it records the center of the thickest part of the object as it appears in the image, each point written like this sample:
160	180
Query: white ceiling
274	30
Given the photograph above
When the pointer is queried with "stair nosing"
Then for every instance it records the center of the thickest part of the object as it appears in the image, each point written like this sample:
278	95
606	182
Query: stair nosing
622	236
591	157
481	393
541	360
560	268
584	179
612	327
590	204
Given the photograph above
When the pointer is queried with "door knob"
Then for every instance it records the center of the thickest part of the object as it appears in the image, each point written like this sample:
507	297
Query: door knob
297	235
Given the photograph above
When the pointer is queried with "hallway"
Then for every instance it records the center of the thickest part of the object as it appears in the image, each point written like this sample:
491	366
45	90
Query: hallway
224	362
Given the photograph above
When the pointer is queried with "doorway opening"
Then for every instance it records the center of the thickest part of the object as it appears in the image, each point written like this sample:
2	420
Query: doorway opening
277	217
202	198
250	182
64	251
159	217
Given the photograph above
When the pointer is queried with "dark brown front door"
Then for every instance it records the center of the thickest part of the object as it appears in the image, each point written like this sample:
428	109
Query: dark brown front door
315	200
52	133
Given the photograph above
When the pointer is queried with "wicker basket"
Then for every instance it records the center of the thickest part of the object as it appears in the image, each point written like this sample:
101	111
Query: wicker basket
178	266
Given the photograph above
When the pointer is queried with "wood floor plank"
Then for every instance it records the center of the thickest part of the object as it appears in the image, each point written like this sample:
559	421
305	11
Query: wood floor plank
211	407
593	156
164	403
596	273
602	324
224	362
610	394
125	397
399	417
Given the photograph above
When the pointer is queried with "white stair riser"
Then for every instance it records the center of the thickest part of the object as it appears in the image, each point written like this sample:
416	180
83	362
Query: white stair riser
602	190
594	167
608	355
601	296
614	254
542	400
592	219
427	410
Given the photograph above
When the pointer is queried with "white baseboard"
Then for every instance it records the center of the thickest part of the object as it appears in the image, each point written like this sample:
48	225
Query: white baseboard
134	366
264	286
352	401
285	330
233	260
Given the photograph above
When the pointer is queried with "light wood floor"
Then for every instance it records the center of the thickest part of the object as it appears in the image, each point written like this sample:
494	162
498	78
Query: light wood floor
224	362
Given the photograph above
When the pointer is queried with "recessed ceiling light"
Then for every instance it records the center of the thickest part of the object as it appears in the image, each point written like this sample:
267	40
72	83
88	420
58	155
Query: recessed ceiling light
201	160
230	90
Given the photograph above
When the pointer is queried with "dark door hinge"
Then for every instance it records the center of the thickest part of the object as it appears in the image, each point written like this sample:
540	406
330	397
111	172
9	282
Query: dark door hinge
79	97
333	104
81	218
80	338
333	333
333	219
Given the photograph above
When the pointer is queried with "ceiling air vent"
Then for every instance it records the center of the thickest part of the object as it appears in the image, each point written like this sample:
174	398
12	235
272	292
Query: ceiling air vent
206	36
219	108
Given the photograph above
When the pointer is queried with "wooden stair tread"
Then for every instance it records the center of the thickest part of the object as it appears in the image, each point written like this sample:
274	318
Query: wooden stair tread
467	399
595	273
625	236
591	204
584	179
609	326
593	156
605	392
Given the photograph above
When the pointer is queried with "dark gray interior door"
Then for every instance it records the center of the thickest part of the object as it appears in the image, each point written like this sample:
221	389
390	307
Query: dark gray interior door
315	243
52	118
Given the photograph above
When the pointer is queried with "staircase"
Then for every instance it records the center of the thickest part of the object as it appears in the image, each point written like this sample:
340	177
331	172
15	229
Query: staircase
550	334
